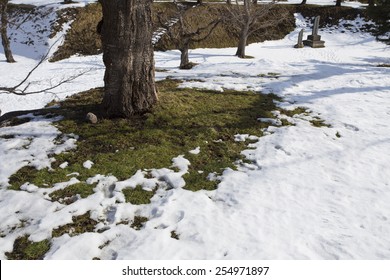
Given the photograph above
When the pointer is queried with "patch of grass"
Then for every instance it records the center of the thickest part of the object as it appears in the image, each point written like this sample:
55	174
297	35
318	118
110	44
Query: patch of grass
174	235
81	224
137	195
183	120
317	122
25	174
68	195
295	111
25	249
7	136
15	121
138	222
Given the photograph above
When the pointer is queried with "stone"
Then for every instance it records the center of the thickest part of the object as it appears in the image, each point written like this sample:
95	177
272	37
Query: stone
314	40
300	42
92	118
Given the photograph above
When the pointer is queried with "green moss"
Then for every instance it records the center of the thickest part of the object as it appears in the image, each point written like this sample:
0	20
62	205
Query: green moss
80	224
138	222
295	111
317	122
183	120
67	195
25	249
138	195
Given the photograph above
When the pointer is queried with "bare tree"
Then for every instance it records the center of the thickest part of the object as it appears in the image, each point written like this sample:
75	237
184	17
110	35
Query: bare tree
246	19
182	35
22	88
129	82
3	30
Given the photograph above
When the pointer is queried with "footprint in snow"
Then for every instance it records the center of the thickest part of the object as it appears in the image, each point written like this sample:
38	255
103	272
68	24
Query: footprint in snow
351	127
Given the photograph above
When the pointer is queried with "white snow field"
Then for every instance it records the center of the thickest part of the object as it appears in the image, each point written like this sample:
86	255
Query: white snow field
310	193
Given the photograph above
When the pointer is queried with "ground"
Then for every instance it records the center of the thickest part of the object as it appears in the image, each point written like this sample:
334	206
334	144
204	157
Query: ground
311	180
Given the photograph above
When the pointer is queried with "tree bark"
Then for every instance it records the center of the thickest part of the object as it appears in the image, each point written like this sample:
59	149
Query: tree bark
244	32
128	56
338	3
242	44
184	60
3	30
303	2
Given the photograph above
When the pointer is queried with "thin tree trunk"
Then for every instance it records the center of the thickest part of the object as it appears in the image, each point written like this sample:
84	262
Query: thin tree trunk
128	57
338	3
4	37
303	2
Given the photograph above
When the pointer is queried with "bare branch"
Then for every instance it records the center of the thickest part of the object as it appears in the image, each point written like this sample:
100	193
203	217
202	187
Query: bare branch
17	91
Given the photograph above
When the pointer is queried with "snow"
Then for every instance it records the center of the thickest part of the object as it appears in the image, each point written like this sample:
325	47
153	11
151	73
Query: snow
308	193
195	151
88	164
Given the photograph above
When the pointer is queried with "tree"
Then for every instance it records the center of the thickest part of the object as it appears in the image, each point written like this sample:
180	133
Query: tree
183	35
245	20
3	30
129	86
338	3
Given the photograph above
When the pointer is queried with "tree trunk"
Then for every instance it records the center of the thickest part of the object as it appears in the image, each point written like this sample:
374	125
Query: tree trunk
244	30
129	86
4	37
338	3
184	60
229	2
242	44
303	2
